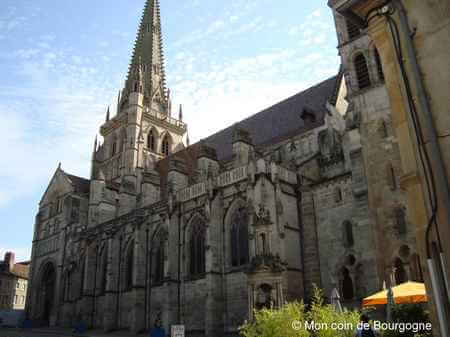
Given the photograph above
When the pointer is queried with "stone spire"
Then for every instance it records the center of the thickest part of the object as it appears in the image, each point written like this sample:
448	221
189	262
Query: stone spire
147	59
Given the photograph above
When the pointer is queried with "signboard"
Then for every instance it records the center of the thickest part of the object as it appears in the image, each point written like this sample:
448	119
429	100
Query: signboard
191	192
177	331
233	176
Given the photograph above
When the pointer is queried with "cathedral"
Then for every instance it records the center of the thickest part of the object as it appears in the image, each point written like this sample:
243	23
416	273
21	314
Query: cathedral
306	192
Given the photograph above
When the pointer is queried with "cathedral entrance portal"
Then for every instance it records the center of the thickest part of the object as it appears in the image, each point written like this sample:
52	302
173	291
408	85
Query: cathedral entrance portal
47	292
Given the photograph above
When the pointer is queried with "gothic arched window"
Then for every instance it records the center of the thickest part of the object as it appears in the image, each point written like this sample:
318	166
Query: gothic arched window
165	147
352	29
347	285
362	72
348	234
129	271
158	272
123	141
114	148
379	66
151	140
239	237
197	248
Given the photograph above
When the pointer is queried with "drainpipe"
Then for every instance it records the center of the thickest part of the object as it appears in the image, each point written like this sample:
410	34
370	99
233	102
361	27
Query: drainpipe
439	170
435	151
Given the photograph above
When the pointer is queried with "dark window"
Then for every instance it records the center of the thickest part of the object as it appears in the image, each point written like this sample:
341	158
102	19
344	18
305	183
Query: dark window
123	143
114	148
197	248
165	146
75	211
338	194
239	237
347	285
400	221
151	141
390	176
383	129
379	66
348	234
400	273
158	272
129	267
362	72
352	29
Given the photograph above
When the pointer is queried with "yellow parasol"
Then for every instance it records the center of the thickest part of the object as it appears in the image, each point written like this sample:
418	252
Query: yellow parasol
408	292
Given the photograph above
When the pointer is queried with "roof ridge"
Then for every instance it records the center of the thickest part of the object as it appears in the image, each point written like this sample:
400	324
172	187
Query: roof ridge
276	104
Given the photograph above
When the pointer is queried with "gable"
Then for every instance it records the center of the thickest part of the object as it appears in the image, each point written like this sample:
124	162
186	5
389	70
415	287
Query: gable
59	185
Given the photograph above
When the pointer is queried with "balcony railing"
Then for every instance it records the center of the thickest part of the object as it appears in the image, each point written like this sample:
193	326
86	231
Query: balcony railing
163	117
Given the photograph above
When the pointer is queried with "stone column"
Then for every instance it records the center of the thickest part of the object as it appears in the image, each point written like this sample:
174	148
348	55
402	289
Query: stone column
109	314
214	306
138	298
310	252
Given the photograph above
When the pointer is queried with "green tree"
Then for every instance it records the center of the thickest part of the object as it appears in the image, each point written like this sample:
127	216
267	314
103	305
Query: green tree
277	322
339	324
288	321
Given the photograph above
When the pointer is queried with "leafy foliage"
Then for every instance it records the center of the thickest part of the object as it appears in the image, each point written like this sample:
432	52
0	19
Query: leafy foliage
279	322
340	324
408	313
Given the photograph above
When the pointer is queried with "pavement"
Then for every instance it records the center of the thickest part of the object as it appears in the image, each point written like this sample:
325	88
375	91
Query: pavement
60	332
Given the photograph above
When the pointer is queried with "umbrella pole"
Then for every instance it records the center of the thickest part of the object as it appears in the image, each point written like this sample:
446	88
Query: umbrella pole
437	298
389	304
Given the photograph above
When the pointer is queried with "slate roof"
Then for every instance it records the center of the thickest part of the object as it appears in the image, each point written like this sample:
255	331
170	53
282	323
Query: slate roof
281	120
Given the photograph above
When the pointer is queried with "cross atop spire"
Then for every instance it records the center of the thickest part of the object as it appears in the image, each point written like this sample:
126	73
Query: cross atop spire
146	70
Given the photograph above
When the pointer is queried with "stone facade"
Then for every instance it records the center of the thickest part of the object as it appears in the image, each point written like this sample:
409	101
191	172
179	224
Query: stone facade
13	283
255	215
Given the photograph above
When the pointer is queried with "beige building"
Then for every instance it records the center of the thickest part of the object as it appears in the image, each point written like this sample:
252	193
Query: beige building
251	216
13	283
413	41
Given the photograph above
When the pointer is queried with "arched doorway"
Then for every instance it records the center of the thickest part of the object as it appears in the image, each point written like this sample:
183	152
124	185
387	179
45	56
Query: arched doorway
47	292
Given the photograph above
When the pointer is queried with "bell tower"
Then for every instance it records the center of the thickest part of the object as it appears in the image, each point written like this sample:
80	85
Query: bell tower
143	130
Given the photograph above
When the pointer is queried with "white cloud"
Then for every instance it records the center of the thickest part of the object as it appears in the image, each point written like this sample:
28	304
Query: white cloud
223	94
56	107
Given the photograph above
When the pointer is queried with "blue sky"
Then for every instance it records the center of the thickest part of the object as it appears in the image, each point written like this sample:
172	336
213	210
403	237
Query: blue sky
63	62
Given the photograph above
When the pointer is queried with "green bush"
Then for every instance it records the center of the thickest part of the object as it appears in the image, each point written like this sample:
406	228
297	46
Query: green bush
279	322
344	322
408	313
